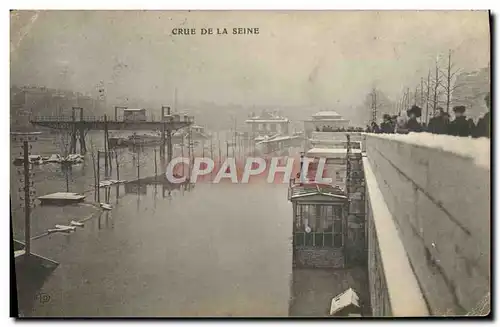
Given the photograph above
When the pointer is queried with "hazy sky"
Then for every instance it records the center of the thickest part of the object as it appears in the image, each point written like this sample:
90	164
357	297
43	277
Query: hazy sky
299	58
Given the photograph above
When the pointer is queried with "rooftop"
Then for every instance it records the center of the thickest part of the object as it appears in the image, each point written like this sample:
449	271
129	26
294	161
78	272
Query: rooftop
308	189
327	114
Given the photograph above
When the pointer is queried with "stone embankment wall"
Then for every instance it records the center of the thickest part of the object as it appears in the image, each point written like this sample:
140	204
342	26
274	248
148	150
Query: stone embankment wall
429	203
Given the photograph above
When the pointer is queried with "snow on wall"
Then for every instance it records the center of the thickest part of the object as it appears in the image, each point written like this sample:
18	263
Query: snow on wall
438	193
477	149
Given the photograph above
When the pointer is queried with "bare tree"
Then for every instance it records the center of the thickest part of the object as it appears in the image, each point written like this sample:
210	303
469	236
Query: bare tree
64	144
436	83
427	96
449	84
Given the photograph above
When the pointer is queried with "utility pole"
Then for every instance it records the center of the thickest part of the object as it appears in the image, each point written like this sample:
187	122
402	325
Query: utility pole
374	105
27	202
27	191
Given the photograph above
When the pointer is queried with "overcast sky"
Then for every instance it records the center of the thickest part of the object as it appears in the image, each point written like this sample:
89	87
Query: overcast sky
299	58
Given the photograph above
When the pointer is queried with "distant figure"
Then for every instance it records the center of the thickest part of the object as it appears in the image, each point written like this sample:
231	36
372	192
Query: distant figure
394	121
374	127
401	125
483	125
460	126
412	124
438	124
386	126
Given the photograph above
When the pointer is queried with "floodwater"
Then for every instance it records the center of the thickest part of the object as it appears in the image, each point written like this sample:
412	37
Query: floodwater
214	250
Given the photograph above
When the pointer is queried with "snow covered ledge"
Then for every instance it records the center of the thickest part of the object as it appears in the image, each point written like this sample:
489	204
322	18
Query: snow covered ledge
436	189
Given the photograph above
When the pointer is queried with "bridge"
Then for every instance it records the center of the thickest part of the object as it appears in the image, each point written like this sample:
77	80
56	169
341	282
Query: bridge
428	224
101	123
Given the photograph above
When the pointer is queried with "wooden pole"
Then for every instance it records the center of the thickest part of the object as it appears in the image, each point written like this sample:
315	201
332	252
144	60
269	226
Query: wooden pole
117	166
98	177
105	146
95	175
138	165
27	209
156	167
169	139
162	147
67	177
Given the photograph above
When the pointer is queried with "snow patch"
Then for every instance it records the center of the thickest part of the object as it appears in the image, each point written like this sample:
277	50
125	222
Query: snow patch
477	149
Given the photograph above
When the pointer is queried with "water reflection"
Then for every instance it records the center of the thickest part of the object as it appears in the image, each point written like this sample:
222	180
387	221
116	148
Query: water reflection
165	251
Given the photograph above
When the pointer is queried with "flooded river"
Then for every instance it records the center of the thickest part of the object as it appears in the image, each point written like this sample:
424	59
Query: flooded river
214	250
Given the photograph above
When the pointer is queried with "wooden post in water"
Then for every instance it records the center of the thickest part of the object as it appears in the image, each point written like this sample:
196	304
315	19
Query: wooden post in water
162	146
27	209
105	146
169	140
73	132
138	166
95	175
98	177
117	166
156	166
67	177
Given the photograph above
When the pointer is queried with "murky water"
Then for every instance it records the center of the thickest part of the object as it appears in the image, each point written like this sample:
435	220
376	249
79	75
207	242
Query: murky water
215	250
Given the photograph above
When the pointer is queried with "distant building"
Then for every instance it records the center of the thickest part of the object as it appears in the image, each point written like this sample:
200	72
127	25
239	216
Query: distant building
267	124
324	119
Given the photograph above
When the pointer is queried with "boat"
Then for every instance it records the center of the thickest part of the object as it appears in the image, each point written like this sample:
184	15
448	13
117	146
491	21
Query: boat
73	159
33	159
64	227
54	158
61	198
106	206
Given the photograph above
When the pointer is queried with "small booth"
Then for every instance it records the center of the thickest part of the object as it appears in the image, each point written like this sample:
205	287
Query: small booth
320	219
